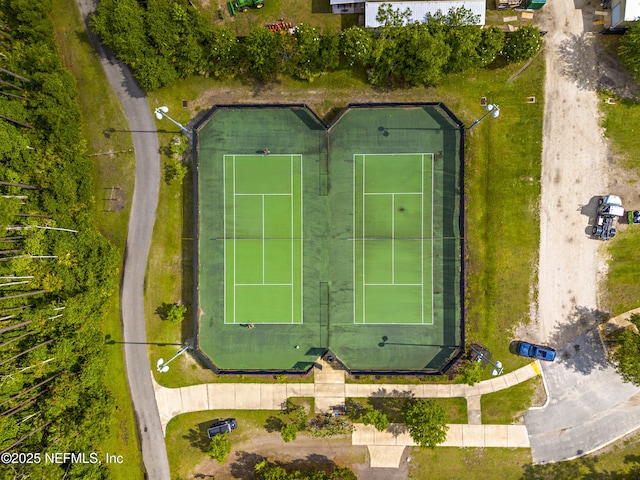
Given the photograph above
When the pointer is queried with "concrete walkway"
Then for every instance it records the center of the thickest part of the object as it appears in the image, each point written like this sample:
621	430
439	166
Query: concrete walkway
330	390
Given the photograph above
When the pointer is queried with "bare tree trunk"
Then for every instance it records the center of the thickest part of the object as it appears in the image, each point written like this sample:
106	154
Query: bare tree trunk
16	122
14	327
37	292
13	74
26	436
21	185
26	351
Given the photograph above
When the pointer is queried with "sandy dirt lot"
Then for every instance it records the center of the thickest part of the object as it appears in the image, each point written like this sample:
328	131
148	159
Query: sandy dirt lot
577	167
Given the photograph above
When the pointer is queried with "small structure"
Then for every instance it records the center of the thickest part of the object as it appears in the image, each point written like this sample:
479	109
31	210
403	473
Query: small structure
624	12
420	9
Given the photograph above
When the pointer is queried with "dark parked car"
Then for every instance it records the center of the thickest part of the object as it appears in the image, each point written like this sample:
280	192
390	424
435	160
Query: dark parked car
222	426
535	351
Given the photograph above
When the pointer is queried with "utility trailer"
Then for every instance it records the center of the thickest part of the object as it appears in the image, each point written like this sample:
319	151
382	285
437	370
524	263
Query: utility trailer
609	208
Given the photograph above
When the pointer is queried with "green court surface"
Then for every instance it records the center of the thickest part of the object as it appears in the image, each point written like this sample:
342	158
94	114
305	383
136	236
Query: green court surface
343	238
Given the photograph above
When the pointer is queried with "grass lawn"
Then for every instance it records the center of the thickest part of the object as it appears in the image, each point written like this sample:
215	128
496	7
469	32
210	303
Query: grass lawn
313	12
468	463
104	127
187	439
502	183
622	285
508	406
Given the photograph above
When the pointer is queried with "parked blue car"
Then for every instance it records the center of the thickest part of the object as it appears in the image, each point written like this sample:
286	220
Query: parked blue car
535	351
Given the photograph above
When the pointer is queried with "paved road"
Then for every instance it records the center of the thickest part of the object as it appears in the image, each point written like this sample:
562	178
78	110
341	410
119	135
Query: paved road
589	405
142	218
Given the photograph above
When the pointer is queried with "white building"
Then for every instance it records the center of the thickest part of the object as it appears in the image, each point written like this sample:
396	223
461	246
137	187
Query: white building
418	9
624	11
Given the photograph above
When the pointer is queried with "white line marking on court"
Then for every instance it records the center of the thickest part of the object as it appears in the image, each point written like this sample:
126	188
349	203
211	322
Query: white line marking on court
393	193
263	239
364	220
263	194
301	240
224	237
264	284
292	240
433	177
234	239
422	243
353	269
393	284
393	238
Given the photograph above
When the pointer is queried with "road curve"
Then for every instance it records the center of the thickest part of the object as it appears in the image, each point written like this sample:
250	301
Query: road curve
141	220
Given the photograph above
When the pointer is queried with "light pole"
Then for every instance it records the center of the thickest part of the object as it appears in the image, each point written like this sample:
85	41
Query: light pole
162	112
497	370
492	109
164	367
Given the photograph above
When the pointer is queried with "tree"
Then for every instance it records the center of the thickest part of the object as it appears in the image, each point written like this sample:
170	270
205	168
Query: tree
627	356
172	312
342	473
376	418
220	448
490	45
221	53
629	49
262	53
289	432
426	421
522	44
470	372
356	45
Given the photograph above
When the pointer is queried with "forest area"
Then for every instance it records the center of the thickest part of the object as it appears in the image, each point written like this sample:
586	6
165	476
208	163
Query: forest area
56	271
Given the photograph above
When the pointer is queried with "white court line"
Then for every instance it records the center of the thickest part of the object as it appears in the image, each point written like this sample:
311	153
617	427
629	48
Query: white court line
234	239
262	239
393	238
394	284
393	193
224	236
262	194
433	180
264	284
353	231
364	241
422	242
301	240
292	238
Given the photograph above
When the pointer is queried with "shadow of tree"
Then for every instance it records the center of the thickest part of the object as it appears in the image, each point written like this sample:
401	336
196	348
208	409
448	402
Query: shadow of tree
198	437
587	62
243	466
577	341
273	424
391	403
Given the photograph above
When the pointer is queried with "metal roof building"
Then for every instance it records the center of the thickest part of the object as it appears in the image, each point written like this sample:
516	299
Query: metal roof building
420	9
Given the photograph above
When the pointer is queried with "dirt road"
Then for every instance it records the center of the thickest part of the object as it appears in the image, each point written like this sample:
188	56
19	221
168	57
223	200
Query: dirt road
574	171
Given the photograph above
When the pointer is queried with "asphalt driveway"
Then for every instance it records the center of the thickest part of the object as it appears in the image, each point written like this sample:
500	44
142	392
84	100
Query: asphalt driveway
589	404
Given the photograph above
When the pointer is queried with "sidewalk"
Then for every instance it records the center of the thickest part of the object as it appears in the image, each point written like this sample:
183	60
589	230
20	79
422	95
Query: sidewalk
330	390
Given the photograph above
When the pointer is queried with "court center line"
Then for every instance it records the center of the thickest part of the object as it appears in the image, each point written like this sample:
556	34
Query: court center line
393	238
262	239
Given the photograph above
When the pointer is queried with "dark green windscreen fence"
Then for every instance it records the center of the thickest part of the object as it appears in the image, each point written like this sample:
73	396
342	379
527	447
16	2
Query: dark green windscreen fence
344	238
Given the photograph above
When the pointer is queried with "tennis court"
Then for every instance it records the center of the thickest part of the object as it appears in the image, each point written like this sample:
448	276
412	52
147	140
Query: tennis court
263	238
392	202
343	237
